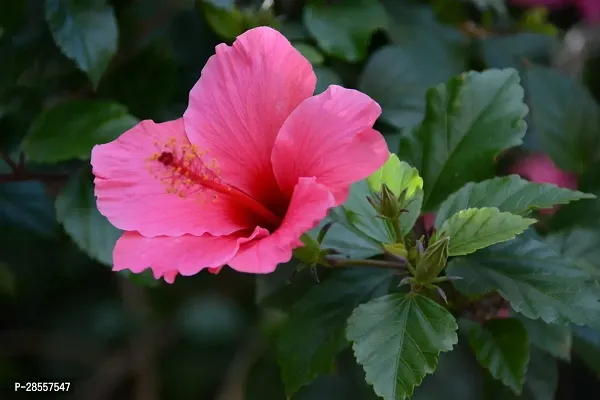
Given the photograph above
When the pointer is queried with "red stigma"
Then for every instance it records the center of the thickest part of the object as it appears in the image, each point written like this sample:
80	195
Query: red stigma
166	158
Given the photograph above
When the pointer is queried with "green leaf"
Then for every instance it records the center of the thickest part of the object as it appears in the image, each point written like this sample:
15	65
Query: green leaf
536	281
86	31
361	218
586	345
312	54
541	380
502	347
566	118
397	339
552	338
145	278
580	214
344	30
325	78
511	51
347	241
26	205
76	211
582	244
508	194
309	341
468	121
225	19
398	76
458	365
70	130
400	176
476	228
8	282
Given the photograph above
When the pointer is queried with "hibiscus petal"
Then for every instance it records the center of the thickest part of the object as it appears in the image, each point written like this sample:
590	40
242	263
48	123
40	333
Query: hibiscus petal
186	254
330	136
244	95
133	198
309	205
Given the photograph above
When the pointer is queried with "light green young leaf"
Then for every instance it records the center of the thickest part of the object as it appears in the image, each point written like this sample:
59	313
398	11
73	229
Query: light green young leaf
86	31
476	228
398	339
508	194
502	347
536	281
565	117
76	211
468	121
70	130
307	350
344	30
400	176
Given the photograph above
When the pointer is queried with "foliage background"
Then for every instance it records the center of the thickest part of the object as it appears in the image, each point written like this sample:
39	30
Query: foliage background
74	73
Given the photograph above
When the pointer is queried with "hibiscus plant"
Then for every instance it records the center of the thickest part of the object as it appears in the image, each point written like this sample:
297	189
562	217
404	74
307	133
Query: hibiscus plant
408	187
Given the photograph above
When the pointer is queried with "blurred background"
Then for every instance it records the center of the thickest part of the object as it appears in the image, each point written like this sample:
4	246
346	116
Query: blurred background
74	73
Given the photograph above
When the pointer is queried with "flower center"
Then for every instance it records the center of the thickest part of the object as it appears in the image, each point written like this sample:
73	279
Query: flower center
184	173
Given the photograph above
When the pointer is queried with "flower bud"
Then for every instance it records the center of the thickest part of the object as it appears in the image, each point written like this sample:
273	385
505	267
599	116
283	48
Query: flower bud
433	261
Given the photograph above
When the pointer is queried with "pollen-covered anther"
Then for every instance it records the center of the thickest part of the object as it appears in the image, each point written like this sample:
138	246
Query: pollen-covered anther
182	170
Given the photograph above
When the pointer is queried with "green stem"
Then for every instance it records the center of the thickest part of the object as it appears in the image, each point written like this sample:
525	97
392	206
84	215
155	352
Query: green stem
370	263
397	230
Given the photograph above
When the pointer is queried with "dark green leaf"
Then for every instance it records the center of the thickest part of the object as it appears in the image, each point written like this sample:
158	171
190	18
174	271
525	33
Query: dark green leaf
86	31
551	338
144	278
476	228
508	194
468	121
579	214
313	55
314	333
325	78
26	204
586	345
512	51
541	380
397	339
70	130
497	5
458	365
344	30
8	282
580	244
227	22
76	211
502	347
566	118
361	218
398	76
536	280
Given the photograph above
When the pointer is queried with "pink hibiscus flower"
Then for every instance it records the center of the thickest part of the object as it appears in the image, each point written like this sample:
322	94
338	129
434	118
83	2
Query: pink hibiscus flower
254	163
590	9
540	168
